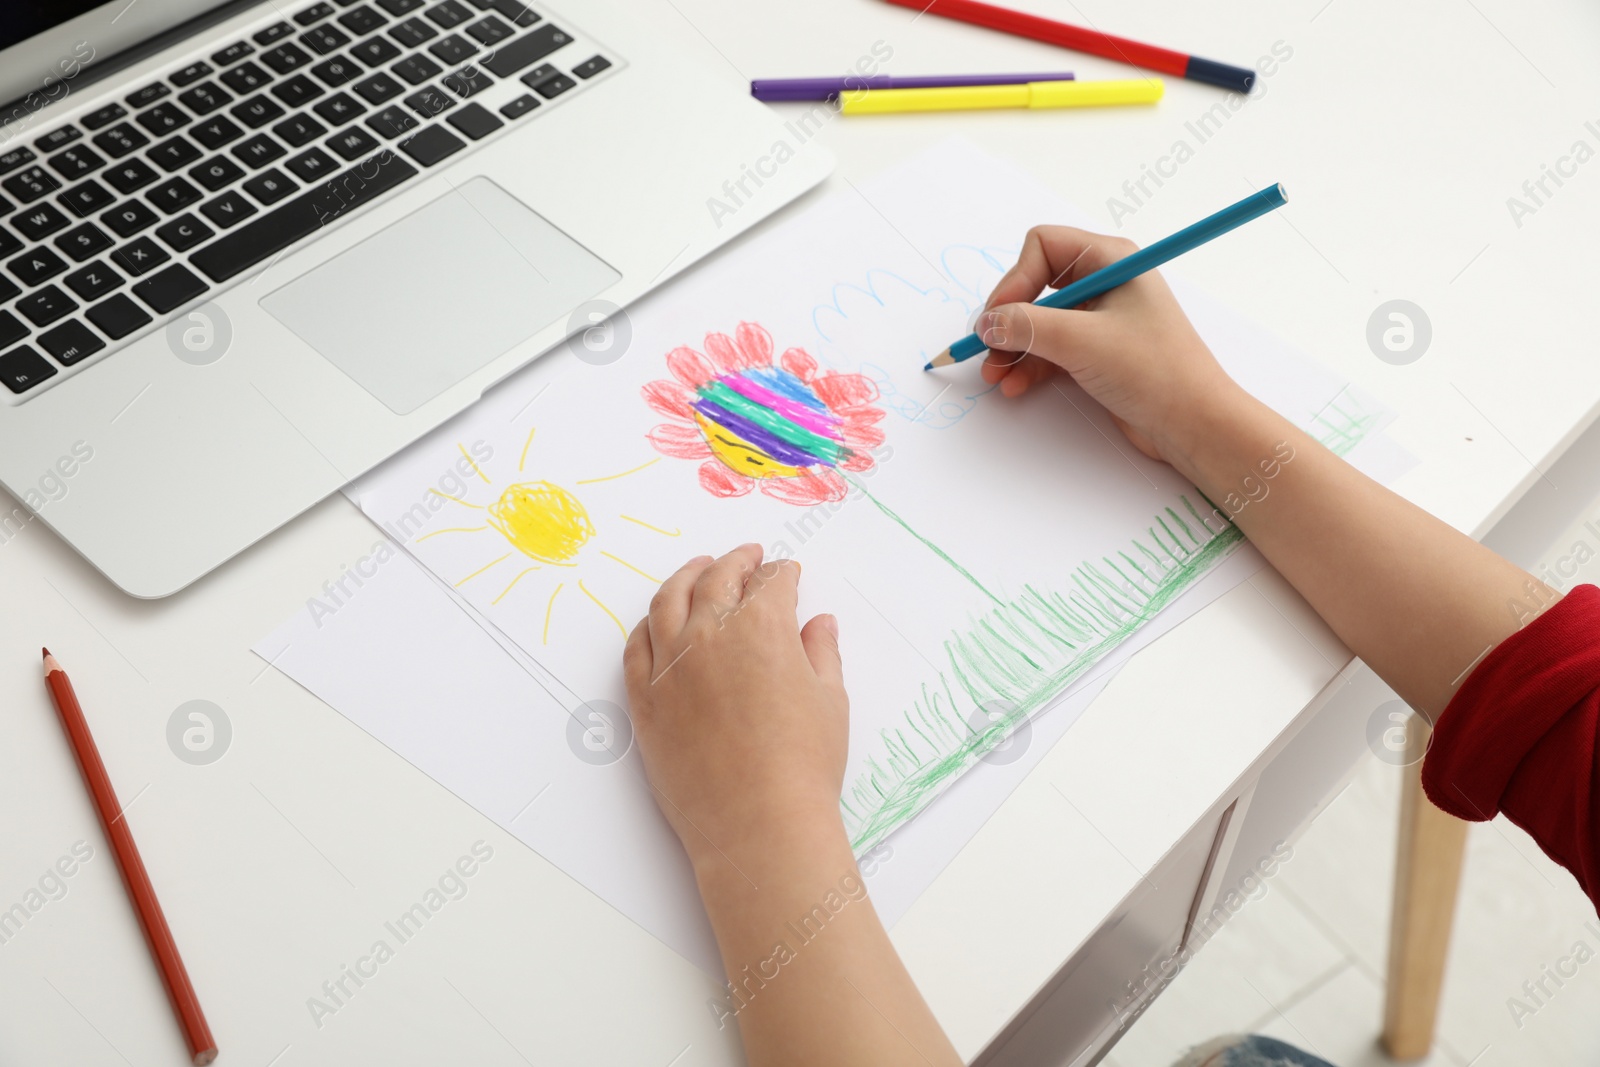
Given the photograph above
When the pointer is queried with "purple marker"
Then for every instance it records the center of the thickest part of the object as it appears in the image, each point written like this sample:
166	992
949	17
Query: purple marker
775	90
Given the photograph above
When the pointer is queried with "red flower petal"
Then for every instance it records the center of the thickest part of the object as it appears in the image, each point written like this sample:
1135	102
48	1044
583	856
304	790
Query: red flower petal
857	462
718	480
679	441
669	398
840	391
690	367
798	362
816	486
858	437
756	344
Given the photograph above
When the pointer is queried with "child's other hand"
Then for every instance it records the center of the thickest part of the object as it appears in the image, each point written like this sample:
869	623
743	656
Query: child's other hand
741	716
1132	349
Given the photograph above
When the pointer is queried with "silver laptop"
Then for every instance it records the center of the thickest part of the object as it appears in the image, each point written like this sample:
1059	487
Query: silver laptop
247	251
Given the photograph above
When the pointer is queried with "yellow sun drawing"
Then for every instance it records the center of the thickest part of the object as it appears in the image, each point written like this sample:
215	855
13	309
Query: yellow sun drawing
547	525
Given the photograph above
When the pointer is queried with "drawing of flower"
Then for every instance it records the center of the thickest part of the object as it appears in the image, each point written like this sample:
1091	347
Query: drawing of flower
786	428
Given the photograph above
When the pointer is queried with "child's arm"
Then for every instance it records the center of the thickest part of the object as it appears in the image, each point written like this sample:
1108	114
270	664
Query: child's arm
1418	601
742	719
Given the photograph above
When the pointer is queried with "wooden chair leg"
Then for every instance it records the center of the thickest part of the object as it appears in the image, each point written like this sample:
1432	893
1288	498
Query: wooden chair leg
1427	877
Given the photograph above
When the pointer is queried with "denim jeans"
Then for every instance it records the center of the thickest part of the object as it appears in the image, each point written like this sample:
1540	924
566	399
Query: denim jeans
1258	1051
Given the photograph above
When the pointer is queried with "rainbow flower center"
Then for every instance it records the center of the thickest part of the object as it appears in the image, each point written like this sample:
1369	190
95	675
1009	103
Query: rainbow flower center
764	422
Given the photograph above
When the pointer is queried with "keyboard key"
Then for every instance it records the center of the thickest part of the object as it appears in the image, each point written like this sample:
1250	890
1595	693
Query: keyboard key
314	13
529	48
8	288
182	233
475	121
338	70
71	342
23	368
190	74
258	151
552	87
131	175
119	140
217	173
375	51
104	116
276	32
286	58
338	109
172	288
352	142
257	111
429	102
270	186
489	30
246	78
140	256
6	206
36	266
416	69
29	185
391	122
519	13
324	40
413	32
10	161
400	7
299	130
148	95
452	49
94	281
85	199
173	153
163	119
11	329
173	195
228	210
466	81
118	317
591	66
297	91
312	165
361	20
232	54
83	242
215	132
431	144
378	88
129	218
75	162
46	306
519	107
9	244
58	138
256	241
205	98
447	15
40	221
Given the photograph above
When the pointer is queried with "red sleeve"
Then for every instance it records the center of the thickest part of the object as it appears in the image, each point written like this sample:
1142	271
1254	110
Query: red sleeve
1522	736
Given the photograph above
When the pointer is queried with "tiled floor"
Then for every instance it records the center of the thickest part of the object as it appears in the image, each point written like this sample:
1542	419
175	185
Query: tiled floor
1304	962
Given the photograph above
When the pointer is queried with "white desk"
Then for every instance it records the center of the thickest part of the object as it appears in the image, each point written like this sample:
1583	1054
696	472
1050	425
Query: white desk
1400	132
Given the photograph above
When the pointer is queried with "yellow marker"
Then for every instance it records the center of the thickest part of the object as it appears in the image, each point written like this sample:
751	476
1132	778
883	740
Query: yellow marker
979	97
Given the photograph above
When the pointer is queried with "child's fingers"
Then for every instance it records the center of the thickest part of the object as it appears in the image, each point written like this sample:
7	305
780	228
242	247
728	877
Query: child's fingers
775	588
720	587
669	608
1029	373
820	637
1047	333
638	659
1053	256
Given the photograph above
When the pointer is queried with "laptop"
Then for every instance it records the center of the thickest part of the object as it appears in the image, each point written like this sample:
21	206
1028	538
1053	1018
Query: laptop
249	250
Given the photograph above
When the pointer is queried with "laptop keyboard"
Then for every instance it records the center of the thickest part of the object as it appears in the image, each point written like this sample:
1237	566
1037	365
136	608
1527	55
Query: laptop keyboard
119	221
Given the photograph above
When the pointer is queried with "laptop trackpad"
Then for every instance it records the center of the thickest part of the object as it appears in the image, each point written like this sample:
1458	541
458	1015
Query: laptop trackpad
420	305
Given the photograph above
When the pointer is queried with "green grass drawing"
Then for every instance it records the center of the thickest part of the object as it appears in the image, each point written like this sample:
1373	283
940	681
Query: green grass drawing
1017	656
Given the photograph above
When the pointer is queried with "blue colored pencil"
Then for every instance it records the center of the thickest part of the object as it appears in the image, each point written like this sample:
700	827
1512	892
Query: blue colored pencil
1124	270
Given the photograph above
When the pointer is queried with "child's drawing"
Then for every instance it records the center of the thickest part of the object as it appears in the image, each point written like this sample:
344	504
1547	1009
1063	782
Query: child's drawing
787	429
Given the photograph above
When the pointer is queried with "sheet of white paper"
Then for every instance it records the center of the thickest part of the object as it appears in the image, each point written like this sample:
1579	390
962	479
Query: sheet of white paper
553	506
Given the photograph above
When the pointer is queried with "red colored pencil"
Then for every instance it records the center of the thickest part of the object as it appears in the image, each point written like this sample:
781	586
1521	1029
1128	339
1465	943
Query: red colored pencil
1065	35
202	1048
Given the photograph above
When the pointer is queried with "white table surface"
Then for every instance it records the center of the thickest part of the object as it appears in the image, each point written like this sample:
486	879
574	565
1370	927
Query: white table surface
1400	133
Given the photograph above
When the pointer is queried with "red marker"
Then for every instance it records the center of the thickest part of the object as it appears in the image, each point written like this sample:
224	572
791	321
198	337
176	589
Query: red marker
202	1048
1065	35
